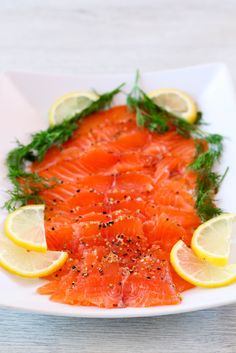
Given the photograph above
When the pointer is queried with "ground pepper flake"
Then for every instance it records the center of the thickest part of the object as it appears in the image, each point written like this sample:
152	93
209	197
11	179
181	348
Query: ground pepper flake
100	270
84	274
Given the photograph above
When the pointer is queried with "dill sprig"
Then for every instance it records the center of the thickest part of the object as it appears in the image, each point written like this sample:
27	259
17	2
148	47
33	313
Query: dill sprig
208	181
154	117
27	185
206	159
157	119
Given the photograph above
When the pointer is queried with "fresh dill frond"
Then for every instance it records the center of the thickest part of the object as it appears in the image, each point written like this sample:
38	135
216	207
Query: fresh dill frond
20	198
152	116
27	185
157	119
208	182
207	186
206	160
147	113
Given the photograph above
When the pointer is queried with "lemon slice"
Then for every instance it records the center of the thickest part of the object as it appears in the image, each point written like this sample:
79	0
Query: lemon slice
176	102
26	263
25	227
70	104
211	240
199	272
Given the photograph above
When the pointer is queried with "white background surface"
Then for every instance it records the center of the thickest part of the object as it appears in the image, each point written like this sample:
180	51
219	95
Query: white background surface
86	36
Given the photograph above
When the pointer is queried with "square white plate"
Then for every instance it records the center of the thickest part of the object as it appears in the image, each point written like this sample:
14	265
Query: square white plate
24	102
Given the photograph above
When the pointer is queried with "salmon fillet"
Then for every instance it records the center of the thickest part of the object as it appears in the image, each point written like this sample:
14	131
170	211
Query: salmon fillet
125	197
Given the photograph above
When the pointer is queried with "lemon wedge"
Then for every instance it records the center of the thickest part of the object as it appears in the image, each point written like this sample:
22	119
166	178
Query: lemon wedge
211	240
176	102
25	227
70	104
30	264
199	272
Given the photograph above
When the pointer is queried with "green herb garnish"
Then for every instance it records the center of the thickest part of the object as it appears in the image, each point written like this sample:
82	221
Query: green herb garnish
27	185
155	118
208	181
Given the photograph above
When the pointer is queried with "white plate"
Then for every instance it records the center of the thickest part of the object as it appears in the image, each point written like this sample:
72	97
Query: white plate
24	101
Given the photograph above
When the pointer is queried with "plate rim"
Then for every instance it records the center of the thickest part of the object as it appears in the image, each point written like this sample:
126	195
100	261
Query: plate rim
111	314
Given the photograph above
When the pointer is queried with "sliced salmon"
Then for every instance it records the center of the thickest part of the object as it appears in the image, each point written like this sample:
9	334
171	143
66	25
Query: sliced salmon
150	283
123	197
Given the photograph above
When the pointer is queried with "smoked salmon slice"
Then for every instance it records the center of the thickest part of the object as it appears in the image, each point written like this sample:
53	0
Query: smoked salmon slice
124	196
